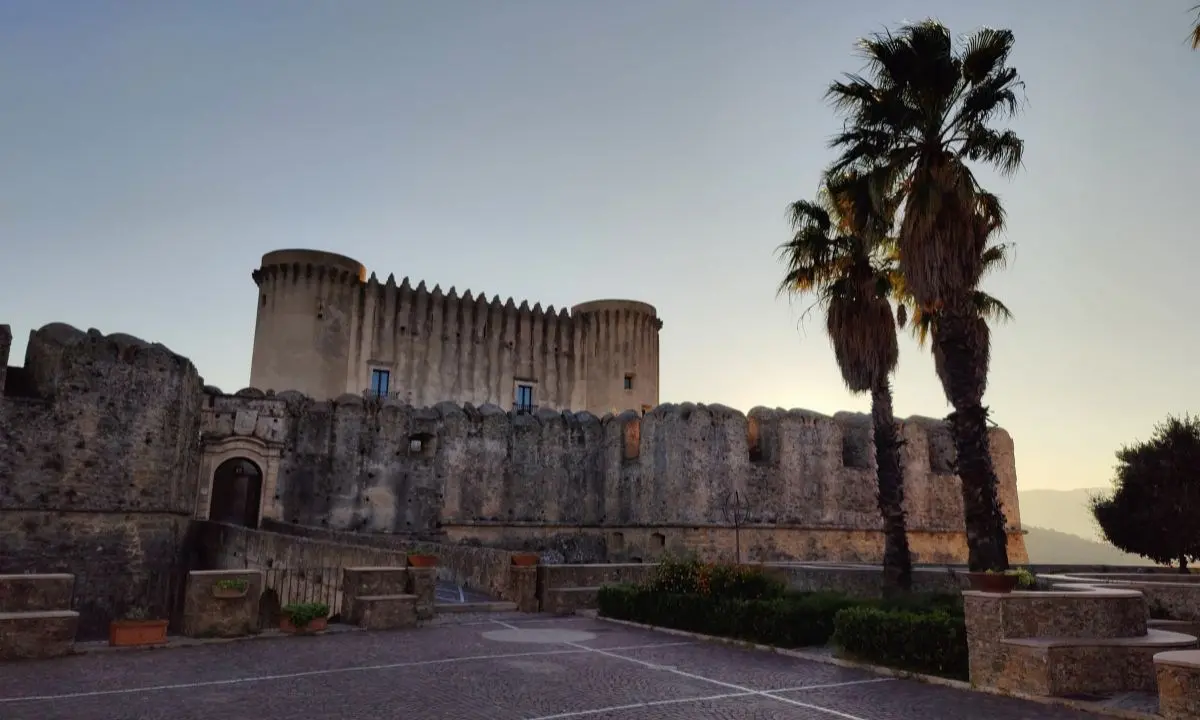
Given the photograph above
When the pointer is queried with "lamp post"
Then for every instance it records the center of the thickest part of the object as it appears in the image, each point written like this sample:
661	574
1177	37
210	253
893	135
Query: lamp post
735	513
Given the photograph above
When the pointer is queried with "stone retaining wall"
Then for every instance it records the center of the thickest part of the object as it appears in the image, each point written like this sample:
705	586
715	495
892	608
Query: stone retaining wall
482	569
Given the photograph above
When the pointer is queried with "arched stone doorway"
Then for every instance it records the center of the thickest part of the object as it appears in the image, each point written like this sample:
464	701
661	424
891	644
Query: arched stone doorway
236	493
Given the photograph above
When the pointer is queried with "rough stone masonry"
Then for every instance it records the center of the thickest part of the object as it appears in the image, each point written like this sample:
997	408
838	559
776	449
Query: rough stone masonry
108	444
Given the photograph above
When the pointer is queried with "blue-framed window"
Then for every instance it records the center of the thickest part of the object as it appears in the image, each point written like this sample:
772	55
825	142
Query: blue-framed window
380	381
524	401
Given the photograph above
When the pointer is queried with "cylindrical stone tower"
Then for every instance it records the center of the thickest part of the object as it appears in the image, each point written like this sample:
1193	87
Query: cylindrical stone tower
306	313
619	350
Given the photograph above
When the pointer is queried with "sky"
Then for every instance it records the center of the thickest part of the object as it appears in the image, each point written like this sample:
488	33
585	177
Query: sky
568	151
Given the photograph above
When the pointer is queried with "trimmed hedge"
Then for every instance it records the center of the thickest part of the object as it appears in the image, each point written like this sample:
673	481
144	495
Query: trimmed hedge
790	620
921	633
933	642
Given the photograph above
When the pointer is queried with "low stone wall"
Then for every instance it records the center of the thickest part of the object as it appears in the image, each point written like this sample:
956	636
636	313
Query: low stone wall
296	569
36	620
482	569
206	615
1169	595
862	581
859	581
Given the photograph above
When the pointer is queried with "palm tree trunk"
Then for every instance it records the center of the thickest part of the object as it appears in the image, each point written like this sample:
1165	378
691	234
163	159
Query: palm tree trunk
961	350
897	561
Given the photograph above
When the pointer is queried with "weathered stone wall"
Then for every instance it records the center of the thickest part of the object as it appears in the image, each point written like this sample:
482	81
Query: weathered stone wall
98	468
585	489
323	326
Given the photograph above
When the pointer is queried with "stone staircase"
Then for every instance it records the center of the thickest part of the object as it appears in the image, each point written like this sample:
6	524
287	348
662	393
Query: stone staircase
383	598
36	620
1071	640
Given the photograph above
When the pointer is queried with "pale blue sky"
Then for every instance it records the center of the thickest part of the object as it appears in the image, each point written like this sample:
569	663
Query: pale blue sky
566	151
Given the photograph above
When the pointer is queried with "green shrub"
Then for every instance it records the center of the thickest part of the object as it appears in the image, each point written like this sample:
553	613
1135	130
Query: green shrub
692	577
301	614
951	604
789	620
931	642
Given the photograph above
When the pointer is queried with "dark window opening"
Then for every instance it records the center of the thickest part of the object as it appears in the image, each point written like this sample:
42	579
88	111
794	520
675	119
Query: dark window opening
524	399
628	382
380	382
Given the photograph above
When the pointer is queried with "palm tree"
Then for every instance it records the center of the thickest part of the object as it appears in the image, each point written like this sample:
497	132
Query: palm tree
1196	28
925	111
838	254
920	322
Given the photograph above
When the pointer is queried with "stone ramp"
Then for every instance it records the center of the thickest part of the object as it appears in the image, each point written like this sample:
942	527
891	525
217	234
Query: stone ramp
448	593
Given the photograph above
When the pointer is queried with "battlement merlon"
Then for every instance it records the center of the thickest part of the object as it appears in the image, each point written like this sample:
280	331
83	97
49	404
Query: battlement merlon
297	263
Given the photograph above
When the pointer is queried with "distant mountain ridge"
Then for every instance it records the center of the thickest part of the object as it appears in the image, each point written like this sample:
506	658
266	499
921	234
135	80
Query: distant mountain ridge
1061	530
1049	547
1065	511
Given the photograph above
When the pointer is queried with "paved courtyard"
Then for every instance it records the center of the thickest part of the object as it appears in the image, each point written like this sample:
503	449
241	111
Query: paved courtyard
495	667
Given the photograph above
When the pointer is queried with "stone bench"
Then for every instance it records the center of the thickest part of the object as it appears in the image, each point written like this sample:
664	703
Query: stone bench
1178	684
564	601
37	635
1070	665
385	612
34	593
360	582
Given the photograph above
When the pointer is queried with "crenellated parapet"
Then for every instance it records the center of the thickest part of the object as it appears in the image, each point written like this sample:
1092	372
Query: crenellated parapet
326	328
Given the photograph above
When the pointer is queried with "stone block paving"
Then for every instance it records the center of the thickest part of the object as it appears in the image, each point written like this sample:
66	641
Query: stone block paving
500	666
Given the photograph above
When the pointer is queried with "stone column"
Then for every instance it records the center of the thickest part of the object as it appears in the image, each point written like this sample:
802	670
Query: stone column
422	582
207	614
522	587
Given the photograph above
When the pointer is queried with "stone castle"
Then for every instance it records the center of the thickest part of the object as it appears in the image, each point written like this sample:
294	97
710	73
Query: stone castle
324	329
110	445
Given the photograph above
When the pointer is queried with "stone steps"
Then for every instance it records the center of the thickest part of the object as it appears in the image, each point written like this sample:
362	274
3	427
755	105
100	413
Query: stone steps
36	620
475	607
1070	665
1187	627
1178	684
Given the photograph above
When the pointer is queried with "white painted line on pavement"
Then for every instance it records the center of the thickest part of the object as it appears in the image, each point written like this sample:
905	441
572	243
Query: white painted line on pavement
312	673
739	688
706	698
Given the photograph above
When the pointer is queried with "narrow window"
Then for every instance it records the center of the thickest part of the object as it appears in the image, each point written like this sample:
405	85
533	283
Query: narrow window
380	380
628	382
524	399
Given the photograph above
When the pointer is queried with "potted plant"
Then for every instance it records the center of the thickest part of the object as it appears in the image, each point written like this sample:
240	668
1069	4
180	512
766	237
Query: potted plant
304	618
1001	582
422	560
137	629
526	559
230	588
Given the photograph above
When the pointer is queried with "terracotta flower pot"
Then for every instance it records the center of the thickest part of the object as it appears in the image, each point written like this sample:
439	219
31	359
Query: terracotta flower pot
135	633
992	582
422	561
314	626
526	560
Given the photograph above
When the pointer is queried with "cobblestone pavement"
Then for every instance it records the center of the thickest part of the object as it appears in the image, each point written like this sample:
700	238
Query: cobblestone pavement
476	667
